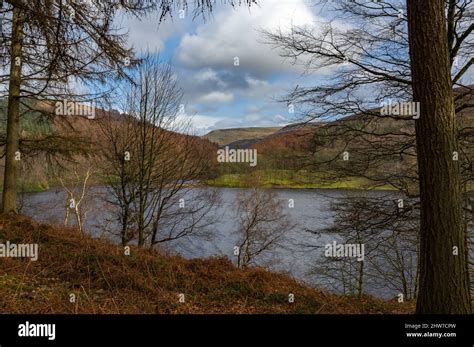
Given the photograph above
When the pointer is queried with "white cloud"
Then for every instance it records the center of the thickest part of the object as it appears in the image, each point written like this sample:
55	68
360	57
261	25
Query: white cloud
217	97
205	75
236	33
202	124
147	34
256	83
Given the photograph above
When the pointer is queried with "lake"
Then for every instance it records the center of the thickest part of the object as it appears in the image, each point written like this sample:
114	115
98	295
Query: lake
297	255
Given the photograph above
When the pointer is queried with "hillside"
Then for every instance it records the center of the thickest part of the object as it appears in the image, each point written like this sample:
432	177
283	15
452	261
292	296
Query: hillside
295	138
105	280
305	155
301	136
46	137
228	136
279	149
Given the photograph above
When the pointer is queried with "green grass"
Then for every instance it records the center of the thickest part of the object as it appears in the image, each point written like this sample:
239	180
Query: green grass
33	187
295	179
30	187
271	179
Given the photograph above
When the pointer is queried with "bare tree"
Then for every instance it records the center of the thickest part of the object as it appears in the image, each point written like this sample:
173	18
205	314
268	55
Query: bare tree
263	223
156	164
372	64
75	198
387	227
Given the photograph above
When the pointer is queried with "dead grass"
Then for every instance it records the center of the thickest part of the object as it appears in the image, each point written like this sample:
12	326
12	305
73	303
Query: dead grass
105	280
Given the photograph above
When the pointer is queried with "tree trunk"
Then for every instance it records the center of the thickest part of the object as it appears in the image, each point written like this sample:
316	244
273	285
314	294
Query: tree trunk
141	224
444	277
123	233
12	145
360	285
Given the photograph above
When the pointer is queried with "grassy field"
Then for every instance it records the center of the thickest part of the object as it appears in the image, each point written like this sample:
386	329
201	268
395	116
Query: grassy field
293	179
30	187
271	179
105	280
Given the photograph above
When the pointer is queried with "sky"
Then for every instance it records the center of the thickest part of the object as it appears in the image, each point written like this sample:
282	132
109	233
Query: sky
229	75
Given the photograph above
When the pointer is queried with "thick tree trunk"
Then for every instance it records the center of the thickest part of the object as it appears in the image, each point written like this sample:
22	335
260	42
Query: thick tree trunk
12	145
444	277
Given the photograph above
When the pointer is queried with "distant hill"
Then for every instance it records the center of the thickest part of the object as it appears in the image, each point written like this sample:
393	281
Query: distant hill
44	132
233	136
299	136
301	126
